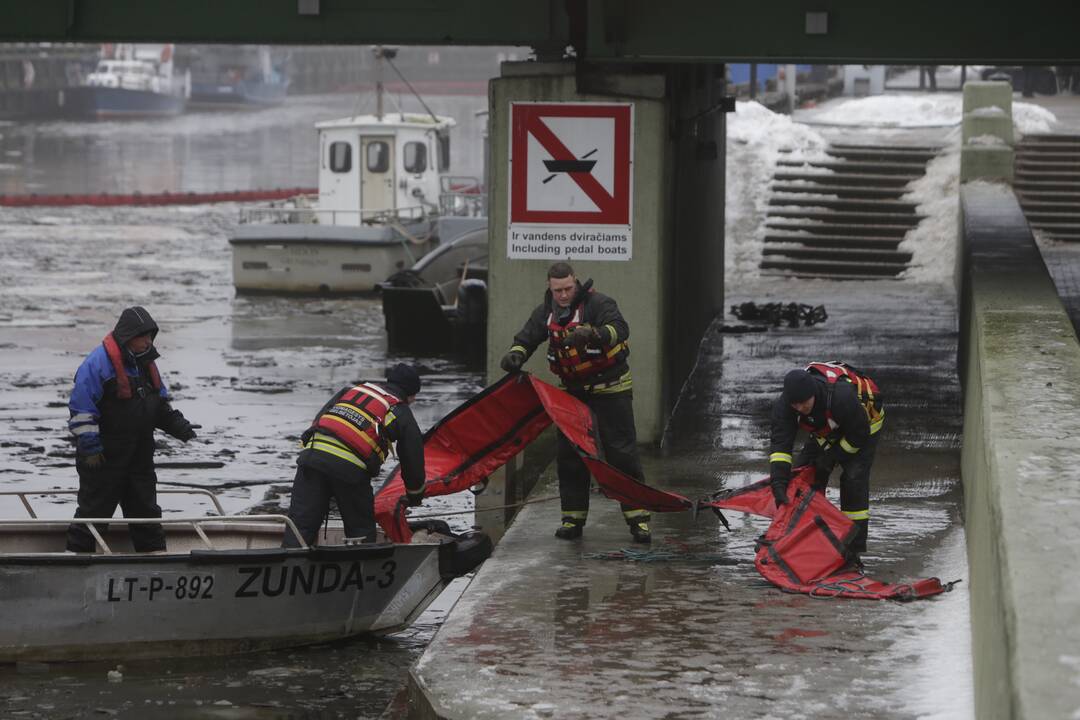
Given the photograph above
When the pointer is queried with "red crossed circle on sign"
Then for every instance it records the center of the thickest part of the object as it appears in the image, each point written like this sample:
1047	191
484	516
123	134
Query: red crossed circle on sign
613	208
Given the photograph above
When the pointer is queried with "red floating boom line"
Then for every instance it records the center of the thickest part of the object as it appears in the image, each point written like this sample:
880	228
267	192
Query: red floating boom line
164	198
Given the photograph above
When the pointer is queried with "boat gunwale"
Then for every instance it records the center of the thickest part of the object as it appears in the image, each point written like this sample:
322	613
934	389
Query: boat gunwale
199	556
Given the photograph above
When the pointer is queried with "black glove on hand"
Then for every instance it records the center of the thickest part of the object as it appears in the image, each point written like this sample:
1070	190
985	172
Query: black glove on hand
94	461
824	464
512	361
305	437
182	430
414	499
582	336
779	492
89	449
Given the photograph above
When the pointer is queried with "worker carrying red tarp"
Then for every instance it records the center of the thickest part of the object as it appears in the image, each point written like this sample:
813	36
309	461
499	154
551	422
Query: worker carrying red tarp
804	549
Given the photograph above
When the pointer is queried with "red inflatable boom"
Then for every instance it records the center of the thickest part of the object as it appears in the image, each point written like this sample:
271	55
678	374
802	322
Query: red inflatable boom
804	550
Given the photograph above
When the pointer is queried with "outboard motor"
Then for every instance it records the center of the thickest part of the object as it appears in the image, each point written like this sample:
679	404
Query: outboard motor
470	320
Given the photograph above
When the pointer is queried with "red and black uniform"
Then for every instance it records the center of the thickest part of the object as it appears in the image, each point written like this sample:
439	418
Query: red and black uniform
843	429
600	377
344	449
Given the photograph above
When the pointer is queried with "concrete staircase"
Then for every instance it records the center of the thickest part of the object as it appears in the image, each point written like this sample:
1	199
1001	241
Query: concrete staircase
843	218
1048	184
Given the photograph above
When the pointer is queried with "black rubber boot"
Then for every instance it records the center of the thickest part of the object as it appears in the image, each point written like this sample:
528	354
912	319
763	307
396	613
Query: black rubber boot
640	532
570	529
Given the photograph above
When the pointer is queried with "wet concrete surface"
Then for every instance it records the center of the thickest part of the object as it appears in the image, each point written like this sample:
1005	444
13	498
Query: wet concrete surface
548	629
252	371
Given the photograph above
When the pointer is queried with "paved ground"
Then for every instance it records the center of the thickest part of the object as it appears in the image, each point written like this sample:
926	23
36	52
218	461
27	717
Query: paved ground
545	630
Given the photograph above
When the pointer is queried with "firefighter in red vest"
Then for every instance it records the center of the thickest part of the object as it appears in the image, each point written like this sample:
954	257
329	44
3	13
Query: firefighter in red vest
841	408
118	400
345	448
588	347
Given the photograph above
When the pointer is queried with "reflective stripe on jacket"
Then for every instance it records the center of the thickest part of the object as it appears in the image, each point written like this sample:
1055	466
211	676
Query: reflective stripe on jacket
357	422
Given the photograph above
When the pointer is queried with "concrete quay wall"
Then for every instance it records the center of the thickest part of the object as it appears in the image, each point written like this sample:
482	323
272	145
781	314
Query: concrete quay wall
1020	365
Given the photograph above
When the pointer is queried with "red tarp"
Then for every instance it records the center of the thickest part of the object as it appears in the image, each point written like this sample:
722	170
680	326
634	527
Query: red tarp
802	551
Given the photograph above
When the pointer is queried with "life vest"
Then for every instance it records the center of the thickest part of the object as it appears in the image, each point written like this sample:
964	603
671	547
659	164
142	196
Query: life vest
123	383
865	389
358	420
564	360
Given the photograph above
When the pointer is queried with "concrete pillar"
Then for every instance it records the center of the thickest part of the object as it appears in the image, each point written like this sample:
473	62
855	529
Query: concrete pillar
672	286
987	132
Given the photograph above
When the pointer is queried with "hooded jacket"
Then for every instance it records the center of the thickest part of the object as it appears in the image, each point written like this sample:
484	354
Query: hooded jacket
97	407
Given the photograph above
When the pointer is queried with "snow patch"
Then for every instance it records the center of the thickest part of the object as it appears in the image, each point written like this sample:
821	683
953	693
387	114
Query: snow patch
932	243
916	111
985	140
988	111
892	111
1030	119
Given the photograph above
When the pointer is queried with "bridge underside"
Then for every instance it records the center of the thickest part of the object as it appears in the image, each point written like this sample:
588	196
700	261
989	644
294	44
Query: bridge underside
829	31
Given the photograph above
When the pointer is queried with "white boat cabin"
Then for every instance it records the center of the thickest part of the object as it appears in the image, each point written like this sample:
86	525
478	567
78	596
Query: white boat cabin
372	169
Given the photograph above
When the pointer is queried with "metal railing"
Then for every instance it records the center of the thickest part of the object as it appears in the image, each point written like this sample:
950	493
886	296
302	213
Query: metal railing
196	524
24	494
319	216
462	204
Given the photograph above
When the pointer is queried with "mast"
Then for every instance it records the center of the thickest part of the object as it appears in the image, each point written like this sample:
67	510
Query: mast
381	53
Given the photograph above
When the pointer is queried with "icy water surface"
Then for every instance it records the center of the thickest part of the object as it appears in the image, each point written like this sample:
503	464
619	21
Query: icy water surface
252	371
205	151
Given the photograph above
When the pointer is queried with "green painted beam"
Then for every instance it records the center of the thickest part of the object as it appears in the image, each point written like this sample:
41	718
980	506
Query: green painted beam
878	31
406	22
912	31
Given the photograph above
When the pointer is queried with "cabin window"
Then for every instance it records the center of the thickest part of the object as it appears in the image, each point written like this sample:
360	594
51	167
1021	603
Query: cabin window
444	152
378	157
340	157
415	157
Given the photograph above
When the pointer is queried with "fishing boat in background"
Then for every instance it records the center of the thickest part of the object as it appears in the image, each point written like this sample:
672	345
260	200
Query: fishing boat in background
131	81
225	585
384	183
234	77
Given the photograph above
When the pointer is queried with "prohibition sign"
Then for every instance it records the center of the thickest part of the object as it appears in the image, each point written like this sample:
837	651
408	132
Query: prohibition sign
571	163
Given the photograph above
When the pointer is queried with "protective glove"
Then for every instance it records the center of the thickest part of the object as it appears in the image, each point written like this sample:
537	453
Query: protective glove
414	499
89	449
824	464
181	429
779	491
305	437
582	336
822	472
512	361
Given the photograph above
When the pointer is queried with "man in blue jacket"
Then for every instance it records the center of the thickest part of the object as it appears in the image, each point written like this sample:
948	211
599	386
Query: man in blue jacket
117	402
